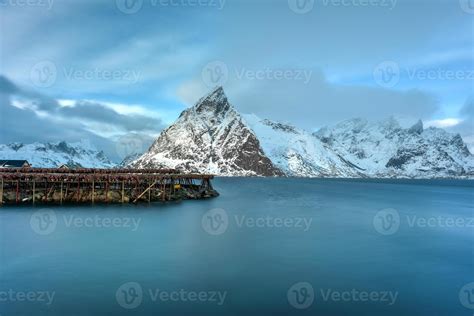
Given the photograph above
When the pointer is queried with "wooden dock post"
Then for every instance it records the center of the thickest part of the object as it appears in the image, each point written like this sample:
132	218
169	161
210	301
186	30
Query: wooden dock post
163	190
61	197
34	191
123	191
17	191
78	191
1	193
107	191
93	192
171	190
149	195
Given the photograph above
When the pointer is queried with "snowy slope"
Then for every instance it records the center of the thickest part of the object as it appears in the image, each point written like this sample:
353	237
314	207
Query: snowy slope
385	149
52	155
297	152
210	137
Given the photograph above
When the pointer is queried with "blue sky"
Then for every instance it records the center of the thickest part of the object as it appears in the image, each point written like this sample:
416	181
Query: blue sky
106	64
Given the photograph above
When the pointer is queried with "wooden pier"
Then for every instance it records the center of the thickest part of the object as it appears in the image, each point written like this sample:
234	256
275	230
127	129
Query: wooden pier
79	186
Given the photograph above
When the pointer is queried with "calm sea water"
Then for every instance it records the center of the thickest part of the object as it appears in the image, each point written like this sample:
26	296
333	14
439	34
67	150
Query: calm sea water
264	247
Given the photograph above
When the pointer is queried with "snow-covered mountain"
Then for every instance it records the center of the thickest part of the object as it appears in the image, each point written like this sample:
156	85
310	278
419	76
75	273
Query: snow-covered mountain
297	152
212	137
52	155
385	149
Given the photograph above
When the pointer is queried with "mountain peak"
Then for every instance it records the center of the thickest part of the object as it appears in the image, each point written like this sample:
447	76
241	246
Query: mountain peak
215	101
218	90
417	128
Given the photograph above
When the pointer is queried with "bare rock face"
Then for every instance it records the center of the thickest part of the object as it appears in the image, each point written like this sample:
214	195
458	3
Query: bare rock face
210	137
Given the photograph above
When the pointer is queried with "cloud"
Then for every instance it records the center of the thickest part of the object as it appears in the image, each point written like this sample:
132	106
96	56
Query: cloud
94	111
443	123
466	113
27	116
466	125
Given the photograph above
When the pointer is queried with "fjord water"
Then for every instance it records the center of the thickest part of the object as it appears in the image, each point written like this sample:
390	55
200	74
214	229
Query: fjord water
409	242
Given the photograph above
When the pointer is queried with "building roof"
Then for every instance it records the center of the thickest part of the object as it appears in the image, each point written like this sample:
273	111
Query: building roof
14	163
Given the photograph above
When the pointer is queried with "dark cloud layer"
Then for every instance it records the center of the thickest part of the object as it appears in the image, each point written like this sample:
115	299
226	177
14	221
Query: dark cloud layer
60	123
466	127
97	112
320	103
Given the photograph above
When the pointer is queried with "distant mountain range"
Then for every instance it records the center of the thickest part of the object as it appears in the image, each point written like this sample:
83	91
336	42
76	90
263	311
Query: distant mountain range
52	155
212	137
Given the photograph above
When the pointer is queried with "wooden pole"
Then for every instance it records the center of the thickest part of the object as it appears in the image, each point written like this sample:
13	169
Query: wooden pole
1	194
107	191
17	191
171	190
61	197
163	190
123	191
93	191
78	191
149	195
34	191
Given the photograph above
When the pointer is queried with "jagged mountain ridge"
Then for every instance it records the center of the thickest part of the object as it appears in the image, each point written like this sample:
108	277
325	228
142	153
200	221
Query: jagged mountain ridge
212	137
385	149
54	154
